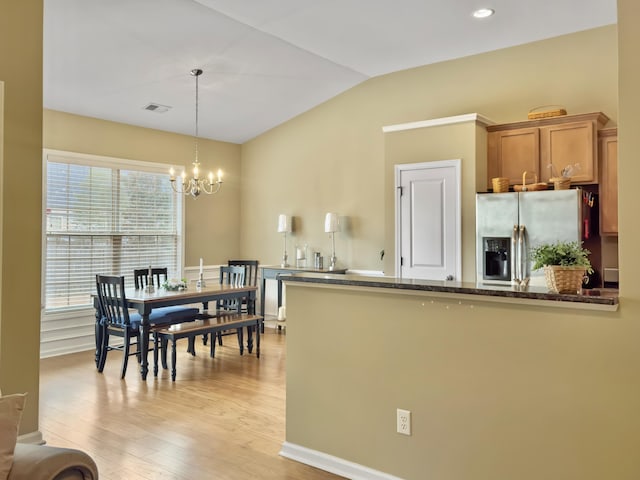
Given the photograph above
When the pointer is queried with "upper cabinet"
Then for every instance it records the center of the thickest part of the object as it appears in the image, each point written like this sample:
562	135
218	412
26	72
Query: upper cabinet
545	147
608	139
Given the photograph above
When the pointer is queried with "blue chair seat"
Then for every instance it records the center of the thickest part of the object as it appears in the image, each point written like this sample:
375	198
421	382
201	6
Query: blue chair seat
166	316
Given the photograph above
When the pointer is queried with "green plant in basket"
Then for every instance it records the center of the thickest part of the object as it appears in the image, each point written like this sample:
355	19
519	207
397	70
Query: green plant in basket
566	254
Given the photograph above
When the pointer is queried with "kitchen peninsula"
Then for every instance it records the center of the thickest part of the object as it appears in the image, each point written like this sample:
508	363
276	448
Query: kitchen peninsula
487	372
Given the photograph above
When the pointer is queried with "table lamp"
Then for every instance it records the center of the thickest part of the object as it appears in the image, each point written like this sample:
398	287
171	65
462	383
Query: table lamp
284	227
332	225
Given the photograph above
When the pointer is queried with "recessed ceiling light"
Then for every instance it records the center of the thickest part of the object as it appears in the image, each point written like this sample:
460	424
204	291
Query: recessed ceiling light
483	12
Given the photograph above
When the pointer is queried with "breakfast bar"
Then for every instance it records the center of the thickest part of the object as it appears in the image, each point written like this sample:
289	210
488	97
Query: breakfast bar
482	369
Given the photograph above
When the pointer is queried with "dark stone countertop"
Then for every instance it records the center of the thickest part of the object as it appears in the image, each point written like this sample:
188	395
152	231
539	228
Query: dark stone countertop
604	298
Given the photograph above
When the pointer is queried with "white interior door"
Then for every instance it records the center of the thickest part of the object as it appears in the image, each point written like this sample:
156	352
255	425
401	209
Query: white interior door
428	244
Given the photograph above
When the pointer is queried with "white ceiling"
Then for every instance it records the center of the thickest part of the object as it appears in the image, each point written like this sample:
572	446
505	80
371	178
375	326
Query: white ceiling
266	61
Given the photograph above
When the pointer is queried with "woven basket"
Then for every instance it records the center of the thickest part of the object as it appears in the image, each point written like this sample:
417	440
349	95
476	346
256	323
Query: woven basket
550	111
500	184
530	187
564	279
560	183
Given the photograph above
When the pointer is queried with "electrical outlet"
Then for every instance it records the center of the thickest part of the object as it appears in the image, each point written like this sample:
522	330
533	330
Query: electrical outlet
403	421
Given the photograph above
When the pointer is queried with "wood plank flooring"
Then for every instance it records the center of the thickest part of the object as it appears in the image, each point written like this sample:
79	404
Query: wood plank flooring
223	418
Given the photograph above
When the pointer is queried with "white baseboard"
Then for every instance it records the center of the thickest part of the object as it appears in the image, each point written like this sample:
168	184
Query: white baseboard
329	463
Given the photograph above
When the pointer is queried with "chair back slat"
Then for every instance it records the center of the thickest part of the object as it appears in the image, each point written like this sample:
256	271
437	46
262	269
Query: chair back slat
250	270
112	300
233	276
141	277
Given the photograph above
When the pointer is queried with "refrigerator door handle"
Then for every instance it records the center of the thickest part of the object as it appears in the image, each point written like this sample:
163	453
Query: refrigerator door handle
522	255
514	254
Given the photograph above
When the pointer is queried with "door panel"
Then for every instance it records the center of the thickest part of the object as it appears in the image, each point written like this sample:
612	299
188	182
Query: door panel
429	223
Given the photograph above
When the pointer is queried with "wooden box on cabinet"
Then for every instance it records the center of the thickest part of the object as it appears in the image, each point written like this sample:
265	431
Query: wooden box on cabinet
608	140
533	145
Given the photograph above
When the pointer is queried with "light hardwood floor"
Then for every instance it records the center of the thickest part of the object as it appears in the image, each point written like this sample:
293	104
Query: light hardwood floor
223	418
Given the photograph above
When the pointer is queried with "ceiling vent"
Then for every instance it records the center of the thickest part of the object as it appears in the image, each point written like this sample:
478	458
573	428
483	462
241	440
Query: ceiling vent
156	107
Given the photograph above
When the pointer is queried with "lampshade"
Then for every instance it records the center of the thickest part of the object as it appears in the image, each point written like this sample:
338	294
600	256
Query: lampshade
331	223
284	223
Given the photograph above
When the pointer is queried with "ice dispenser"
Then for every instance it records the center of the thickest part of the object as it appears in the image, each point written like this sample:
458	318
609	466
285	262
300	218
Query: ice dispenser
496	252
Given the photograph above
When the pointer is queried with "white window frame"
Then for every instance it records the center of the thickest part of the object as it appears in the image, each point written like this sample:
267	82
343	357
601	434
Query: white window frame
100	161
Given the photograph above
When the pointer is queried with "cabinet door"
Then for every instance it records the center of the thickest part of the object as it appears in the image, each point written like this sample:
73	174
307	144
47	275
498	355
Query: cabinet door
609	186
569	144
512	152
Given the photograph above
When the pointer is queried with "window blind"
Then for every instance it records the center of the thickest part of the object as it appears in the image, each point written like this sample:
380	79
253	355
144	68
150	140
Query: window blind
107	220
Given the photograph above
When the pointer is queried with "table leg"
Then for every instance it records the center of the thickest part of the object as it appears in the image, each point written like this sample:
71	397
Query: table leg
262	295
279	292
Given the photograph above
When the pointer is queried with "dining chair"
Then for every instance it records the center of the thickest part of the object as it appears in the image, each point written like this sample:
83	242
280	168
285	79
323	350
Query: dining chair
250	274
234	276
115	319
141	277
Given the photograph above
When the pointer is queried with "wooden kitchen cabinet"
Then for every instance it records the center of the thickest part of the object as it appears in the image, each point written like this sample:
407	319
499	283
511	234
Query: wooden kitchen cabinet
511	152
608	143
533	145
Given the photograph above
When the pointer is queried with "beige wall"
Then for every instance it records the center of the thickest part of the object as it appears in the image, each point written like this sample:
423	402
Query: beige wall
20	205
496	391
447	142
628	144
333	157
212	229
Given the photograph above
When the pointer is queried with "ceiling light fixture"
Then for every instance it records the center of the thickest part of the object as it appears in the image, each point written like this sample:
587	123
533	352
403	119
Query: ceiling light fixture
483	12
195	185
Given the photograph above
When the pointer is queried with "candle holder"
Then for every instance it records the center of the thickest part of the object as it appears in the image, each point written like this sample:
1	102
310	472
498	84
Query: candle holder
201	283
150	288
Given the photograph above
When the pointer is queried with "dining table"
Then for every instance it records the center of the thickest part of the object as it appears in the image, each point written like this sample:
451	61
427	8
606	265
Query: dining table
144	301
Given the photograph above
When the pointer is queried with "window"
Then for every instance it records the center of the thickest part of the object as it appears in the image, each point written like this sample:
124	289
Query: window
105	216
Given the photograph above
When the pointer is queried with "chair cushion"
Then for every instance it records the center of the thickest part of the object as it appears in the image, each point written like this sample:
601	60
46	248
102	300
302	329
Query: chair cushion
11	407
166	315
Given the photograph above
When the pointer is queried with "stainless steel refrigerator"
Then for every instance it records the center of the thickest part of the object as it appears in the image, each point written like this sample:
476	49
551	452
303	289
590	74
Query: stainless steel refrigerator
508	225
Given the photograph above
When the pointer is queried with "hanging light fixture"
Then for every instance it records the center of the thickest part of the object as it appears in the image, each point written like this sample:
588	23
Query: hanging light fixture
195	185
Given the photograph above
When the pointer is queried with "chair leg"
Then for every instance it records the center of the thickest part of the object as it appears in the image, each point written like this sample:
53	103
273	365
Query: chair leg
219	335
250	339
205	338
212	347
104	349
163	352
156	345
192	346
240	340
125	354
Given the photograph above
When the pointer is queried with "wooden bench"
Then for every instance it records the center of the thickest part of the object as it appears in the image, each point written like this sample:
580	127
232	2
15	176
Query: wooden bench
212	325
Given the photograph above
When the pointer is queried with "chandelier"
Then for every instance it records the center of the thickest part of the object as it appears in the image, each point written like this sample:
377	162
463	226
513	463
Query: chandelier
195	185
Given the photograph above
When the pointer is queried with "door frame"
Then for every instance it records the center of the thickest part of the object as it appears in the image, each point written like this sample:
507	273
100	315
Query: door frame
403	167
